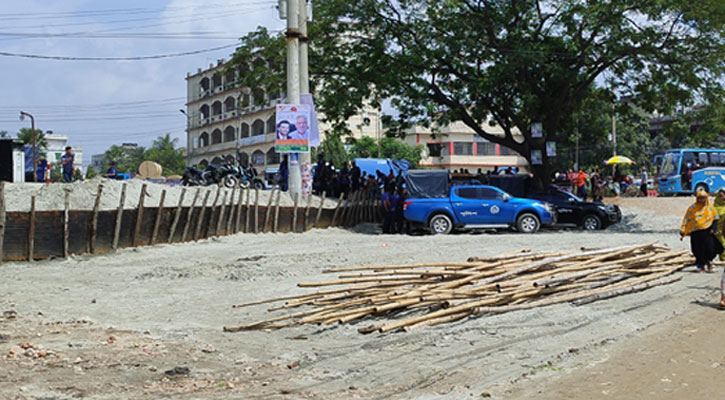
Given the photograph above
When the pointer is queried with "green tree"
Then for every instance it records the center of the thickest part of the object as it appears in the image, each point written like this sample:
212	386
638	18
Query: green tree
164	152
4	134
26	136
333	149
515	63
91	172
365	147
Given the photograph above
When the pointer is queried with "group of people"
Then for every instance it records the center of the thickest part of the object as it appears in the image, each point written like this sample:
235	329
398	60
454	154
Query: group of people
704	224
594	184
67	162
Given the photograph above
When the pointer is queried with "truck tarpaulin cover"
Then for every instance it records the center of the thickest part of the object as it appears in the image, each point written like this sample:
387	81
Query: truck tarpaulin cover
427	184
515	185
384	165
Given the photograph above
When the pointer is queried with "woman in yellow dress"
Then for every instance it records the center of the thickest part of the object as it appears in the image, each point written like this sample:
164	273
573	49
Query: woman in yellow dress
699	224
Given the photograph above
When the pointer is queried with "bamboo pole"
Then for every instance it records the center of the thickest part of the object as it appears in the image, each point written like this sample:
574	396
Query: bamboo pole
94	218
2	221
157	222
212	212
337	209
119	218
187	225
220	216
66	218
247	210
238	220
294	214
31	230
305	220
139	215
201	215
276	212
177	214
268	212
256	210
319	209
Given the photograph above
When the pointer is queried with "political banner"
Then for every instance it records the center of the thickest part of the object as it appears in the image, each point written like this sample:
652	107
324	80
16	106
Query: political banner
293	128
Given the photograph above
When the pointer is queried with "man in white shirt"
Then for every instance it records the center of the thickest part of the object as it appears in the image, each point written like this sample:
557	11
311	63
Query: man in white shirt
302	131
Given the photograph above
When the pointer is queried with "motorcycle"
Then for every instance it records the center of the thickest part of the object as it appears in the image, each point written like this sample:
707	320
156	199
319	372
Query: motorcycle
194	176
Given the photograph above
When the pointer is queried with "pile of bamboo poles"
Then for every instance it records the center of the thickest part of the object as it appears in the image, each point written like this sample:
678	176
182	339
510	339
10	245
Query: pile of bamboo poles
436	293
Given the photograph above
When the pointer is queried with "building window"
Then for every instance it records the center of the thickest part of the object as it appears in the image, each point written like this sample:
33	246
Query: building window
216	161
271	124
229	104
204	111
505	151
434	149
229	134
258	157
216	108
245	130
216	136
272	157
485	149
204	139
216	81
463	148
230	77
204	85
258	128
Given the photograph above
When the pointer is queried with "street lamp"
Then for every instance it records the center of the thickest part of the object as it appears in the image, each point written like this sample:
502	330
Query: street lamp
23	114
188	138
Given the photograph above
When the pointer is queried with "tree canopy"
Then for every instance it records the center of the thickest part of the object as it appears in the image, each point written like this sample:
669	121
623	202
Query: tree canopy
163	151
26	136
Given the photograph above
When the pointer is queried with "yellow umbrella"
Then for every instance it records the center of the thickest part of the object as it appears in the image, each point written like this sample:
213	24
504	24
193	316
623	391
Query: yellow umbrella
619	160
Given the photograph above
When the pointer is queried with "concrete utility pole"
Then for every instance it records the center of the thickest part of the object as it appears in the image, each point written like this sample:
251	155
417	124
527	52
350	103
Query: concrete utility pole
293	84
189	145
23	114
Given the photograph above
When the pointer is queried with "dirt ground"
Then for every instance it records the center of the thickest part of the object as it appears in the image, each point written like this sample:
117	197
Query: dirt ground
147	323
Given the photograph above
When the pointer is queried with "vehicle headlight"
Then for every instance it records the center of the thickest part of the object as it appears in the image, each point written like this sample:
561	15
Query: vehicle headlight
602	208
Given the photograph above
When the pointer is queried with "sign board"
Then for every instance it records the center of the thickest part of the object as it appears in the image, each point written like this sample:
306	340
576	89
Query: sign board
551	149
535	157
293	128
537	130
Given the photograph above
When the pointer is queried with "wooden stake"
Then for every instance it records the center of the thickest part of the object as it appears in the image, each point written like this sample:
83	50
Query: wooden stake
66	218
230	218
307	214
157	222
268	212
247	210
237	221
188	216
31	230
220	217
256	210
94	218
139	215
337	209
119	217
2	220
294	214
177	214
319	209
201	216
276	211
212	212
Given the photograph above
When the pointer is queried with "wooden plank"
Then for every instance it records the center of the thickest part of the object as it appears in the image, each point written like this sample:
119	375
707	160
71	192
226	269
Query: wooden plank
188	216
230	217
157	222
319	209
247	209
94	218
256	210
213	211
177	214
276	212
119	216
237	222
337	210
294	214
268	211
201	215
2	220
31	230
220	217
139	215
66	217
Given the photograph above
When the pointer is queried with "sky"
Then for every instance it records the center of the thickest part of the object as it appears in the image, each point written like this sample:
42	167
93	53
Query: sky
102	103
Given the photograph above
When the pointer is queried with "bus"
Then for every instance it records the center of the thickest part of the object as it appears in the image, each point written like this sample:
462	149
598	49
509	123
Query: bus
707	166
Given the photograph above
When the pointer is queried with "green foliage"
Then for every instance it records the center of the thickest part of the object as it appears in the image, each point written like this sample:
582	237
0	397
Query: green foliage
56	175
163	151
333	149
26	136
367	147
91	172
4	134
260	63
127	159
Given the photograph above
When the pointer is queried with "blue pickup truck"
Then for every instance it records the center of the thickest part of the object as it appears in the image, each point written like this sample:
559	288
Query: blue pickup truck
478	206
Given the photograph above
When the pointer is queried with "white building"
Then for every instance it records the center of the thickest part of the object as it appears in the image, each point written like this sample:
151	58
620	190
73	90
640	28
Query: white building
56	148
222	118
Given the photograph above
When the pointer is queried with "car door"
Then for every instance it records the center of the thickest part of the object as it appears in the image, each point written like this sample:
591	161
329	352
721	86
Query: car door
567	207
467	206
496	208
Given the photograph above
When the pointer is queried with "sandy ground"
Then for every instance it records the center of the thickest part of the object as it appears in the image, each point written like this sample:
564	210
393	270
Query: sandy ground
111	326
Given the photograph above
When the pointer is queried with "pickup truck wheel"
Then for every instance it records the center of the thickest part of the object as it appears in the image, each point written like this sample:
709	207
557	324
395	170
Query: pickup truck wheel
527	223
591	223
440	224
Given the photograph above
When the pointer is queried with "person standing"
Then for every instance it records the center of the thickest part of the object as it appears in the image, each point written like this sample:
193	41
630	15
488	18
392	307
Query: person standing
41	168
66	161
643	184
111	173
386	201
355	177
699	224
580	181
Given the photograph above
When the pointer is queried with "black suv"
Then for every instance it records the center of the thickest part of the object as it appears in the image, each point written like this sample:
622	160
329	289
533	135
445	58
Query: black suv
573	211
